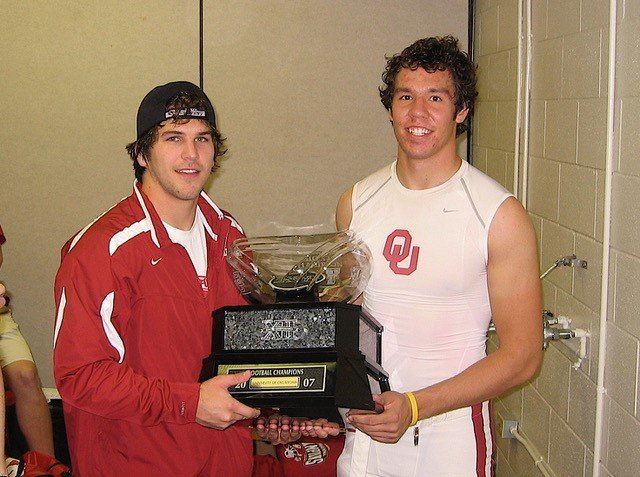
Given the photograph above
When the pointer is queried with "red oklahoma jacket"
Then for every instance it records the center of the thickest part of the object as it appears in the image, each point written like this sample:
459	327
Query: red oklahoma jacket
132	328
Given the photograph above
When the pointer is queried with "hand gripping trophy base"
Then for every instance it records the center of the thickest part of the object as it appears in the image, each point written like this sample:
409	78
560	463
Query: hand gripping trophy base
309	351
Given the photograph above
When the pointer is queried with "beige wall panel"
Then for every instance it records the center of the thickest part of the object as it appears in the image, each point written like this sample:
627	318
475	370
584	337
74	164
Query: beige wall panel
624	438
497	168
627	294
75	72
553	381
521	462
629	110
622	362
582	63
592	140
508	24
587	283
544	178
566	190
577	198
622	348
503	469
485	121
563	17
546	83
295	84
566	450
594	14
582	406
561	130
499	85
487	29
480	158
506	126
628	79
536	128
536	415
625	226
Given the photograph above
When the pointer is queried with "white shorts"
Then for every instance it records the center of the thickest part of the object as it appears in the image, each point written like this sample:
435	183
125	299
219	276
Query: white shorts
458	443
13	346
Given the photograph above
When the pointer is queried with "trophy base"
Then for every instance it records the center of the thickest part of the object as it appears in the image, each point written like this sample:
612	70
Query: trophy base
311	389
306	359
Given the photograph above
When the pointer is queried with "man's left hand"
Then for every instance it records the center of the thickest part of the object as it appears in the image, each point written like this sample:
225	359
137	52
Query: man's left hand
387	426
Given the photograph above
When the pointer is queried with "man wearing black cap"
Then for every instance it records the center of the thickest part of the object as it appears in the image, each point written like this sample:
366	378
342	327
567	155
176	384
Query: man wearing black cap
134	296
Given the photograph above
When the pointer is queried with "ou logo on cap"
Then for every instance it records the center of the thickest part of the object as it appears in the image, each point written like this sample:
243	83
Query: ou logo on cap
396	250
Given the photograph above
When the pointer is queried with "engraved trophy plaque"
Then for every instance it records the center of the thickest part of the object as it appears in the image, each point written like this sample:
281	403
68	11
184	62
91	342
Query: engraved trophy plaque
310	351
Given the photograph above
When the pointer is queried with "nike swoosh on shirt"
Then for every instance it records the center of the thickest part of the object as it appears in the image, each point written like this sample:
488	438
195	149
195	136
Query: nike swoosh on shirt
155	262
446	211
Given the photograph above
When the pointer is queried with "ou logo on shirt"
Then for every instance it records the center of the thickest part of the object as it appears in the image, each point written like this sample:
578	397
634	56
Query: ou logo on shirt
396	250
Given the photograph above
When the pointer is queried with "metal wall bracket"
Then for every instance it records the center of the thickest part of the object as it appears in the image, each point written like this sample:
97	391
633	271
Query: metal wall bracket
566	261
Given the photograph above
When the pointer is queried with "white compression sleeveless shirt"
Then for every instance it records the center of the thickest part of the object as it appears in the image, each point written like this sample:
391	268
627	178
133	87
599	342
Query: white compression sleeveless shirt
429	282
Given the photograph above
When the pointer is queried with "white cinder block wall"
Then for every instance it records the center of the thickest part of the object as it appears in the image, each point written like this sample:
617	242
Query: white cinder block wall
564	189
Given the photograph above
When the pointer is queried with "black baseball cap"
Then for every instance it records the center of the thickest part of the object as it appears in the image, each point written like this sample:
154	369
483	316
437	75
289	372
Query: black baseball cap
153	108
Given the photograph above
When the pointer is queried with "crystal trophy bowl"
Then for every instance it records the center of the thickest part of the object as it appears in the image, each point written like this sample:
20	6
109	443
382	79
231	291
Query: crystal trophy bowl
321	267
309	349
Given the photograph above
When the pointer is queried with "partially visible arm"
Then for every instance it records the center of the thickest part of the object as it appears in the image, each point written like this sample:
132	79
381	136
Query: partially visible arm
3	290
344	211
3	301
344	214
513	278
86	363
516	307
3	464
88	368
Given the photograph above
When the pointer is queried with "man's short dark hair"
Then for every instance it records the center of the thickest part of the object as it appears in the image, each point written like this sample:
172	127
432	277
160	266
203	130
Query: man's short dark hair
435	54
183	101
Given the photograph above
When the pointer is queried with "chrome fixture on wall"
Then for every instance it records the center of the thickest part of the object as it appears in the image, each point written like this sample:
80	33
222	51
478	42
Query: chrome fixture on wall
566	261
556	328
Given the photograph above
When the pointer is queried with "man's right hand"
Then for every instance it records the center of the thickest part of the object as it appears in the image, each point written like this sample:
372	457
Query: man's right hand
3	300
217	408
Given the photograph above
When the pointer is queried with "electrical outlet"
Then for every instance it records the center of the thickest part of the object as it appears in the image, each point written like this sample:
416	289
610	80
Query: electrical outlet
506	429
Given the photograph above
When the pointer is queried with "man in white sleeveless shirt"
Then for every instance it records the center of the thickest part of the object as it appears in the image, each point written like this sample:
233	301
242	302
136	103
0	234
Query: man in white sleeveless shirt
452	249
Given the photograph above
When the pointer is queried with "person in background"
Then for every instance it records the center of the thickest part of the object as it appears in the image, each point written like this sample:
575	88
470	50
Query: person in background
21	377
3	290
3	464
452	250
303	447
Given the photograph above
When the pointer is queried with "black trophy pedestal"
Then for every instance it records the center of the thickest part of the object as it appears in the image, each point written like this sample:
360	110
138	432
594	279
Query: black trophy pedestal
307	359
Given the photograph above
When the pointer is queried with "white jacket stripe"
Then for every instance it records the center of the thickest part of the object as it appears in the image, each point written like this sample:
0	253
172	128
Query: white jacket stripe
106	310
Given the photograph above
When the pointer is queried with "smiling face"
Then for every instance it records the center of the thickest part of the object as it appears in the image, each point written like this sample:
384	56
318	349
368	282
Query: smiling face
178	164
424	117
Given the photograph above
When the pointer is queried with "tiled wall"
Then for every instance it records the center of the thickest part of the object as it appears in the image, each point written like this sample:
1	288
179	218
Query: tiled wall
564	189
